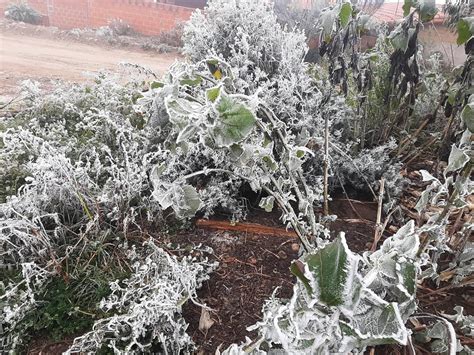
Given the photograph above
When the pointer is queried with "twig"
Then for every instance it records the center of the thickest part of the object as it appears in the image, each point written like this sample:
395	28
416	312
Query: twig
378	226
326	165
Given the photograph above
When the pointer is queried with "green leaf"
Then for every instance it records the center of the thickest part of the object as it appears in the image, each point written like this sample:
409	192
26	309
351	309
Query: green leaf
156	85
297	269
457	159
408	272
187	80
329	267
465	29
345	14
407	5
213	93
235	122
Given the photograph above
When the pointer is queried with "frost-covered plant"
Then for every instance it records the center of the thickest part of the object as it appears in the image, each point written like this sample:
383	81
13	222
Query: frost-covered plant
81	162
343	302
213	132
262	57
447	196
146	307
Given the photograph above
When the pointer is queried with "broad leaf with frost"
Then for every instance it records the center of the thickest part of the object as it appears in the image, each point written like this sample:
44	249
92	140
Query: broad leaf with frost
337	305
234	123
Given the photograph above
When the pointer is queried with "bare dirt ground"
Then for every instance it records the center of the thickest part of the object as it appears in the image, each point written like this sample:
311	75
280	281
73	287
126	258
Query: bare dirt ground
25	56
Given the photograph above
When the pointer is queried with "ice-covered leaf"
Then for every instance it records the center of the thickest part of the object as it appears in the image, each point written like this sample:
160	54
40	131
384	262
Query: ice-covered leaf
327	19
191	201
378	322
426	176
267	203
181	111
235	121
184	200
332	268
423	200
457	159
186	133
468	115
405	242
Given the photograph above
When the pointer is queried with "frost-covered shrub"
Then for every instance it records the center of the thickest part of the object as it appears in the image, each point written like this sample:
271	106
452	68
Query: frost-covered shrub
82	164
147	306
262	57
83	148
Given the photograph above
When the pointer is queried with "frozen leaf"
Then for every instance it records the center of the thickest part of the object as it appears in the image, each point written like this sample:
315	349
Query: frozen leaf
186	133
191	200
235	122
457	159
378	322
180	110
332	268
267	203
427	176
205	321
468	116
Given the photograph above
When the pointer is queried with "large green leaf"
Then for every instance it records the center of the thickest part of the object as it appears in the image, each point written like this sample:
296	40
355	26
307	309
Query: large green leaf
331	267
465	29
345	14
235	121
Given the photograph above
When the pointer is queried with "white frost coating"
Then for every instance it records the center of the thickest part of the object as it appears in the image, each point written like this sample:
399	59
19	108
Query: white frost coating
148	306
305	325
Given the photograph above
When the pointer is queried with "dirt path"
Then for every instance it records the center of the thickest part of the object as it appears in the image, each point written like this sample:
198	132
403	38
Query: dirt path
29	57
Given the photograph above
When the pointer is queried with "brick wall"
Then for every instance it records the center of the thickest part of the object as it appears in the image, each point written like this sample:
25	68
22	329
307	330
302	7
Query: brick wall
145	16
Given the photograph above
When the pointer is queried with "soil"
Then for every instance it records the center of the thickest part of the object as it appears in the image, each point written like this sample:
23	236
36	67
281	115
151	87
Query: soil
25	56
252	266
